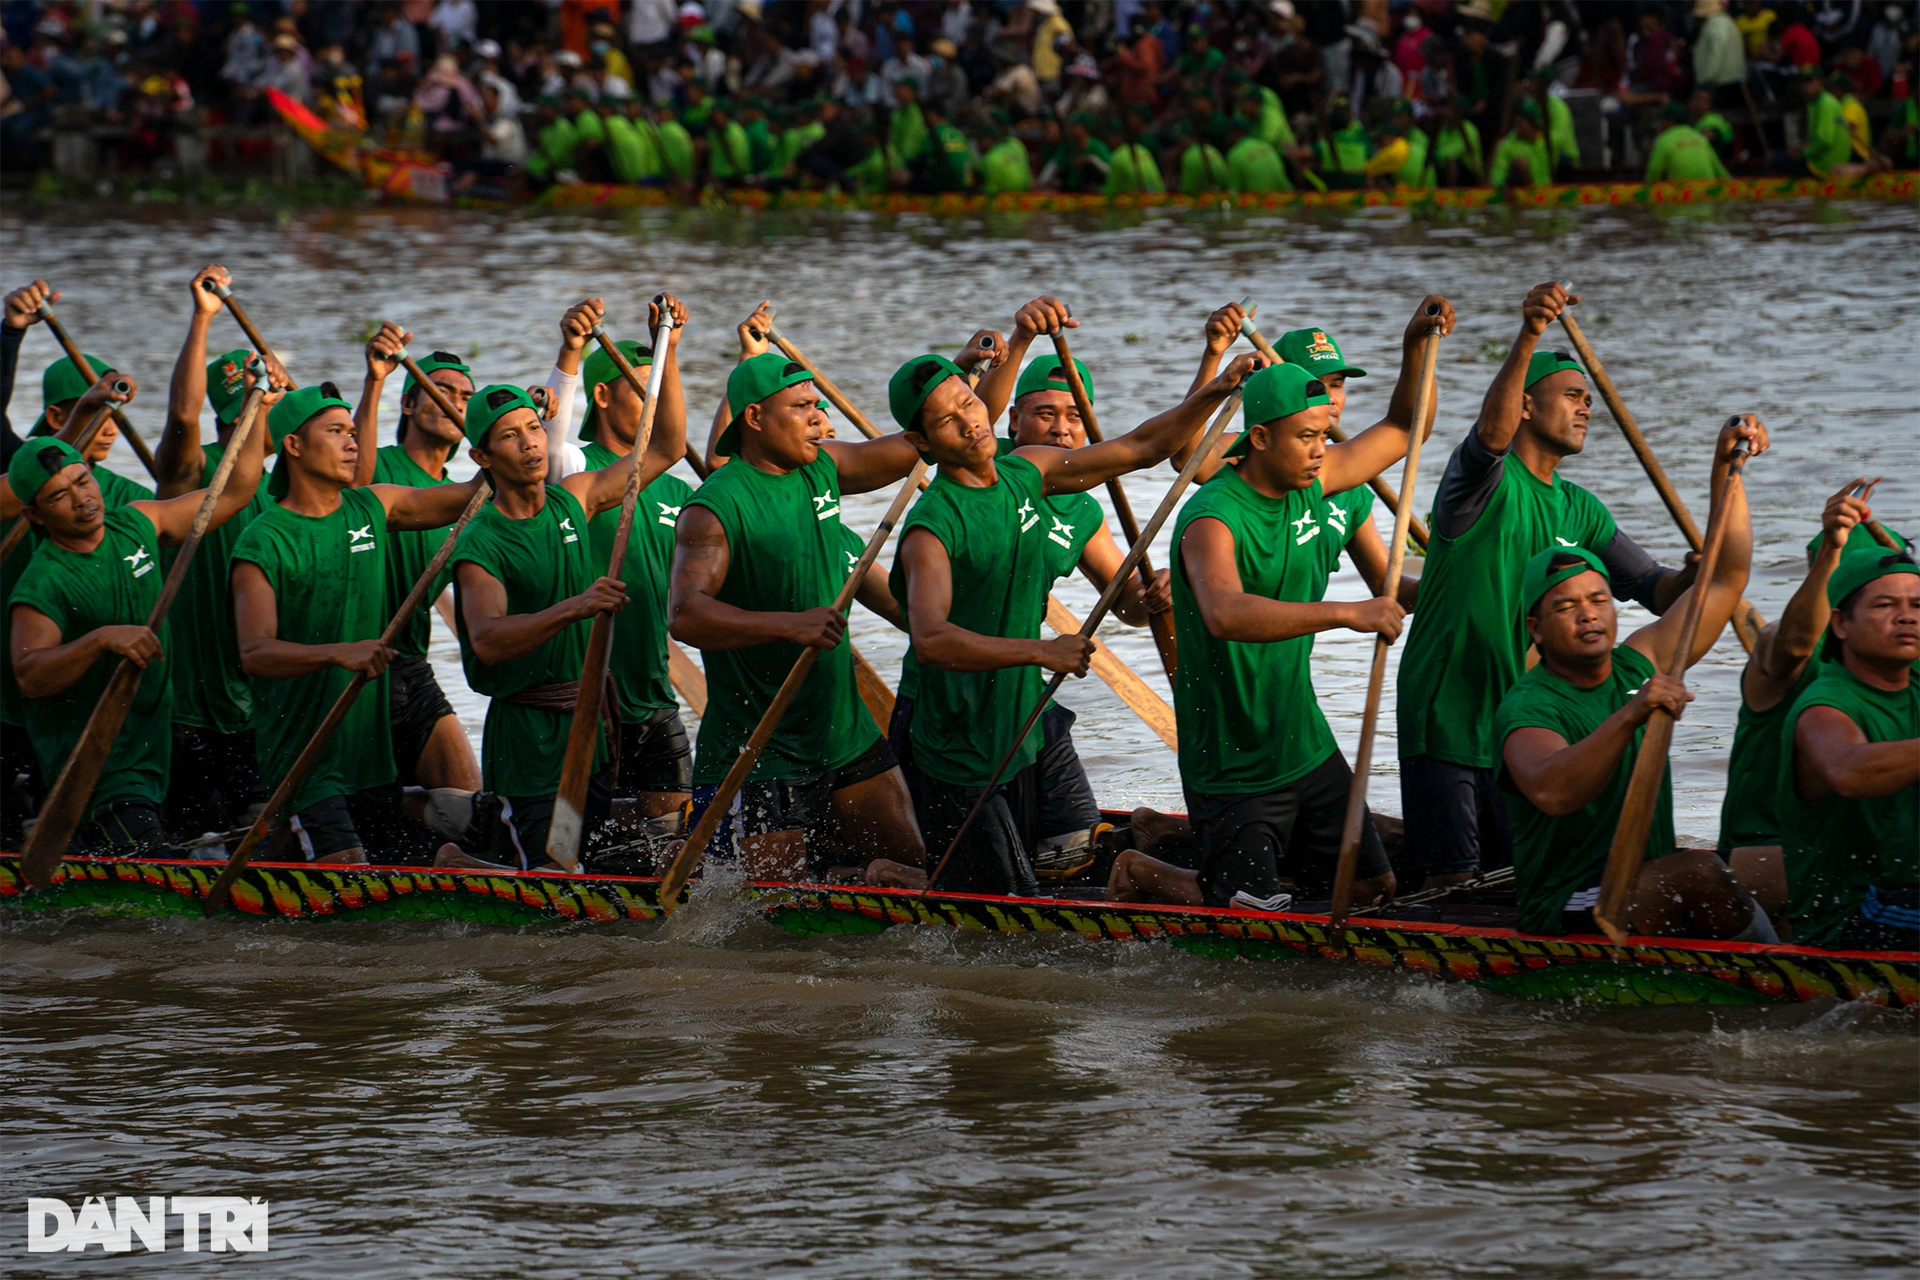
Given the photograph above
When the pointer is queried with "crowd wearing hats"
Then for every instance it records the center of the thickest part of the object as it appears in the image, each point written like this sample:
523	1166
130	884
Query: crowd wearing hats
997	95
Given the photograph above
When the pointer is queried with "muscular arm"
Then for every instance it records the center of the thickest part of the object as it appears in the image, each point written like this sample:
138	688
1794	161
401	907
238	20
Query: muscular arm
256	617
1559	777
694	615
1831	756
172	518
431	507
1368	551
1077	470
498	636
1100	559
44	666
937	642
1658	638
1786	645
604	489
1366	455
878	598
995	388
1500	409
866	465
1230	613
179	457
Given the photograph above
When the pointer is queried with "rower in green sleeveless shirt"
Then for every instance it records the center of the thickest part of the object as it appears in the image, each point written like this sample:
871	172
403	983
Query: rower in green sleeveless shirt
1849	780
527	586
215	776
1783	663
1265	784
81	606
430	746
1570	728
310	602
1500	502
654	773
759	556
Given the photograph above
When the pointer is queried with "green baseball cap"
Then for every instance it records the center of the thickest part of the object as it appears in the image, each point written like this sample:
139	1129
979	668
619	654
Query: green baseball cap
30	468
752	381
1046	374
1315	351
1541	575
227	384
492	403
288	416
435	362
62	382
1856	569
1857	539
1546	363
599	369
903	400
1277	391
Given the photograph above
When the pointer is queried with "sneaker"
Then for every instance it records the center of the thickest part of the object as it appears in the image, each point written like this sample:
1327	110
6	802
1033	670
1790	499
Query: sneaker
1247	902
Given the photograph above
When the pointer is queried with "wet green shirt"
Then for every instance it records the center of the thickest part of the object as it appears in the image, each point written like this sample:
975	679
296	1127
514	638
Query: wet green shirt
1554	857
409	552
998	542
1836	848
328	575
115	584
1006	167
541	561
115	491
1512	148
1461	144
1468	642
1828	142
1132	170
676	151
952	159
729	155
639	659
1683	154
1248	718
1749	814
209	689
1254	166
785	554
1202	169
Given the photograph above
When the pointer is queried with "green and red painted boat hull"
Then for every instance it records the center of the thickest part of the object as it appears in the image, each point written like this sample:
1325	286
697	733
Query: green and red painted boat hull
1653	971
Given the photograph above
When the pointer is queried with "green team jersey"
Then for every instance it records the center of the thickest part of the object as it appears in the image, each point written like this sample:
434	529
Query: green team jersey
590	127
1683	154
1561	142
869	177
639	657
115	491
1554	857
1828	142
676	150
729	155
1462	144
1836	848
1749	815
1202	169
1248	718
1512	148
329	580
1004	547
1272	127
1133	169
1416	172
762	154
1350	148
115	584
1253	166
952	159
907	135
785	554
541	561
557	142
408	552
1715	129
1468	642
795	141
1005	167
631	150
209	689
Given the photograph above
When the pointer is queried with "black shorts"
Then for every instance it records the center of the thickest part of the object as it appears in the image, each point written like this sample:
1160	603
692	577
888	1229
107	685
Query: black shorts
121	828
655	755
1248	842
1065	797
213	780
415	704
1456	817
20	786
512	830
798	804
372	820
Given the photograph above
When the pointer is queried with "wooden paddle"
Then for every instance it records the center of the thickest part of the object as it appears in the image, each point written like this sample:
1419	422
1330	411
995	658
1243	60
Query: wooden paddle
1161	624
18	529
316	745
72	349
1746	619
1135	554
66	804
583	737
695	848
1381	488
1650	762
239	314
1396	556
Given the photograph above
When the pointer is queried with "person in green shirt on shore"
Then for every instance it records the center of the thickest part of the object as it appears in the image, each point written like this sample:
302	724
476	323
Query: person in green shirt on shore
310	603
1265	784
527	587
1006	167
951	165
1563	148
907	134
1569	731
1131	169
1682	153
973	571
1500	502
1341	155
729	155
430	747
1253	167
1416	169
1849	779
876	171
654	771
759	555
630	143
1783	663
1827	142
214	775
590	159
1521	158
677	152
1458	160
558	139
82	605
1713	126
1203	169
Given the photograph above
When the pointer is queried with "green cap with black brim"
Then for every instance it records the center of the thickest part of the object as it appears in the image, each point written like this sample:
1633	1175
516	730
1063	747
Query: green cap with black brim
904	398
1277	391
37	461
1554	566
492	403
1045	373
1316	352
752	381
1544	364
1856	569
63	382
295	410
227	384
433	363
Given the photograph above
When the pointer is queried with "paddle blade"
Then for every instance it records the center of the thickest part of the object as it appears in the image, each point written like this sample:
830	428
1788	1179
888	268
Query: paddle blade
66	805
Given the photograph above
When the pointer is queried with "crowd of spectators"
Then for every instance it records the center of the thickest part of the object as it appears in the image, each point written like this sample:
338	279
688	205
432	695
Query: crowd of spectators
1007	95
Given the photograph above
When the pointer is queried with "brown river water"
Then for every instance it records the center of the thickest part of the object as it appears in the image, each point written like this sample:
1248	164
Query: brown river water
714	1097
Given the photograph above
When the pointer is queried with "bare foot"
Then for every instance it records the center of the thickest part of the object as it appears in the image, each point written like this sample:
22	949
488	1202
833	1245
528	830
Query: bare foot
451	855
1151	829
888	874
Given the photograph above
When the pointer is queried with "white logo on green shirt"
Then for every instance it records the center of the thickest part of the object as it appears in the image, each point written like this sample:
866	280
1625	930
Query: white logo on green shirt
667	514
1027	515
1563	542
566	525
1337	517
1305	529
820	509
139	562
1061	527
355	536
